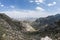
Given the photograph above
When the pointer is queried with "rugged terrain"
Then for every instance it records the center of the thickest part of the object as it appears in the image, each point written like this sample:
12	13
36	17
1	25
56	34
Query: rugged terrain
23	30
48	26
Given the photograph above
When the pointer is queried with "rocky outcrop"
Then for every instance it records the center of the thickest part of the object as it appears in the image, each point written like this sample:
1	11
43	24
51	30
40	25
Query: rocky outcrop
18	30
48	26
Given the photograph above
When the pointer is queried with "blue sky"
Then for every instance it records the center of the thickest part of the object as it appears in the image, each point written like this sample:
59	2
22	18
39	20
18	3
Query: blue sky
30	8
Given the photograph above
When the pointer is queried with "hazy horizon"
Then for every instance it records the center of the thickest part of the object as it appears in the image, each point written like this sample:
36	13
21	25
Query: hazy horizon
29	8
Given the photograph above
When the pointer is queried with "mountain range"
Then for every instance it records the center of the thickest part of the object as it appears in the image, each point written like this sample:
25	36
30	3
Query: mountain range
33	30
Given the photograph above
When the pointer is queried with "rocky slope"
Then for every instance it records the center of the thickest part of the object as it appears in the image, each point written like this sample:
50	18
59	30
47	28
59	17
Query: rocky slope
20	30
16	30
47	21
11	30
48	26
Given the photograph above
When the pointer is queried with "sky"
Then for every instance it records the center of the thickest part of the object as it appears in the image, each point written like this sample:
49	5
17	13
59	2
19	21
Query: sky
29	8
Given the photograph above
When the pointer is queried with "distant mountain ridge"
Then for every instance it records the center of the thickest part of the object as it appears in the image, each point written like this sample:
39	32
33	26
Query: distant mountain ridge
50	20
48	26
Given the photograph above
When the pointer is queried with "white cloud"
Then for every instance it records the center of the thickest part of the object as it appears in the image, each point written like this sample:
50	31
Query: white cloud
52	4
41	1
31	1
39	9
12	6
37	1
2	5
